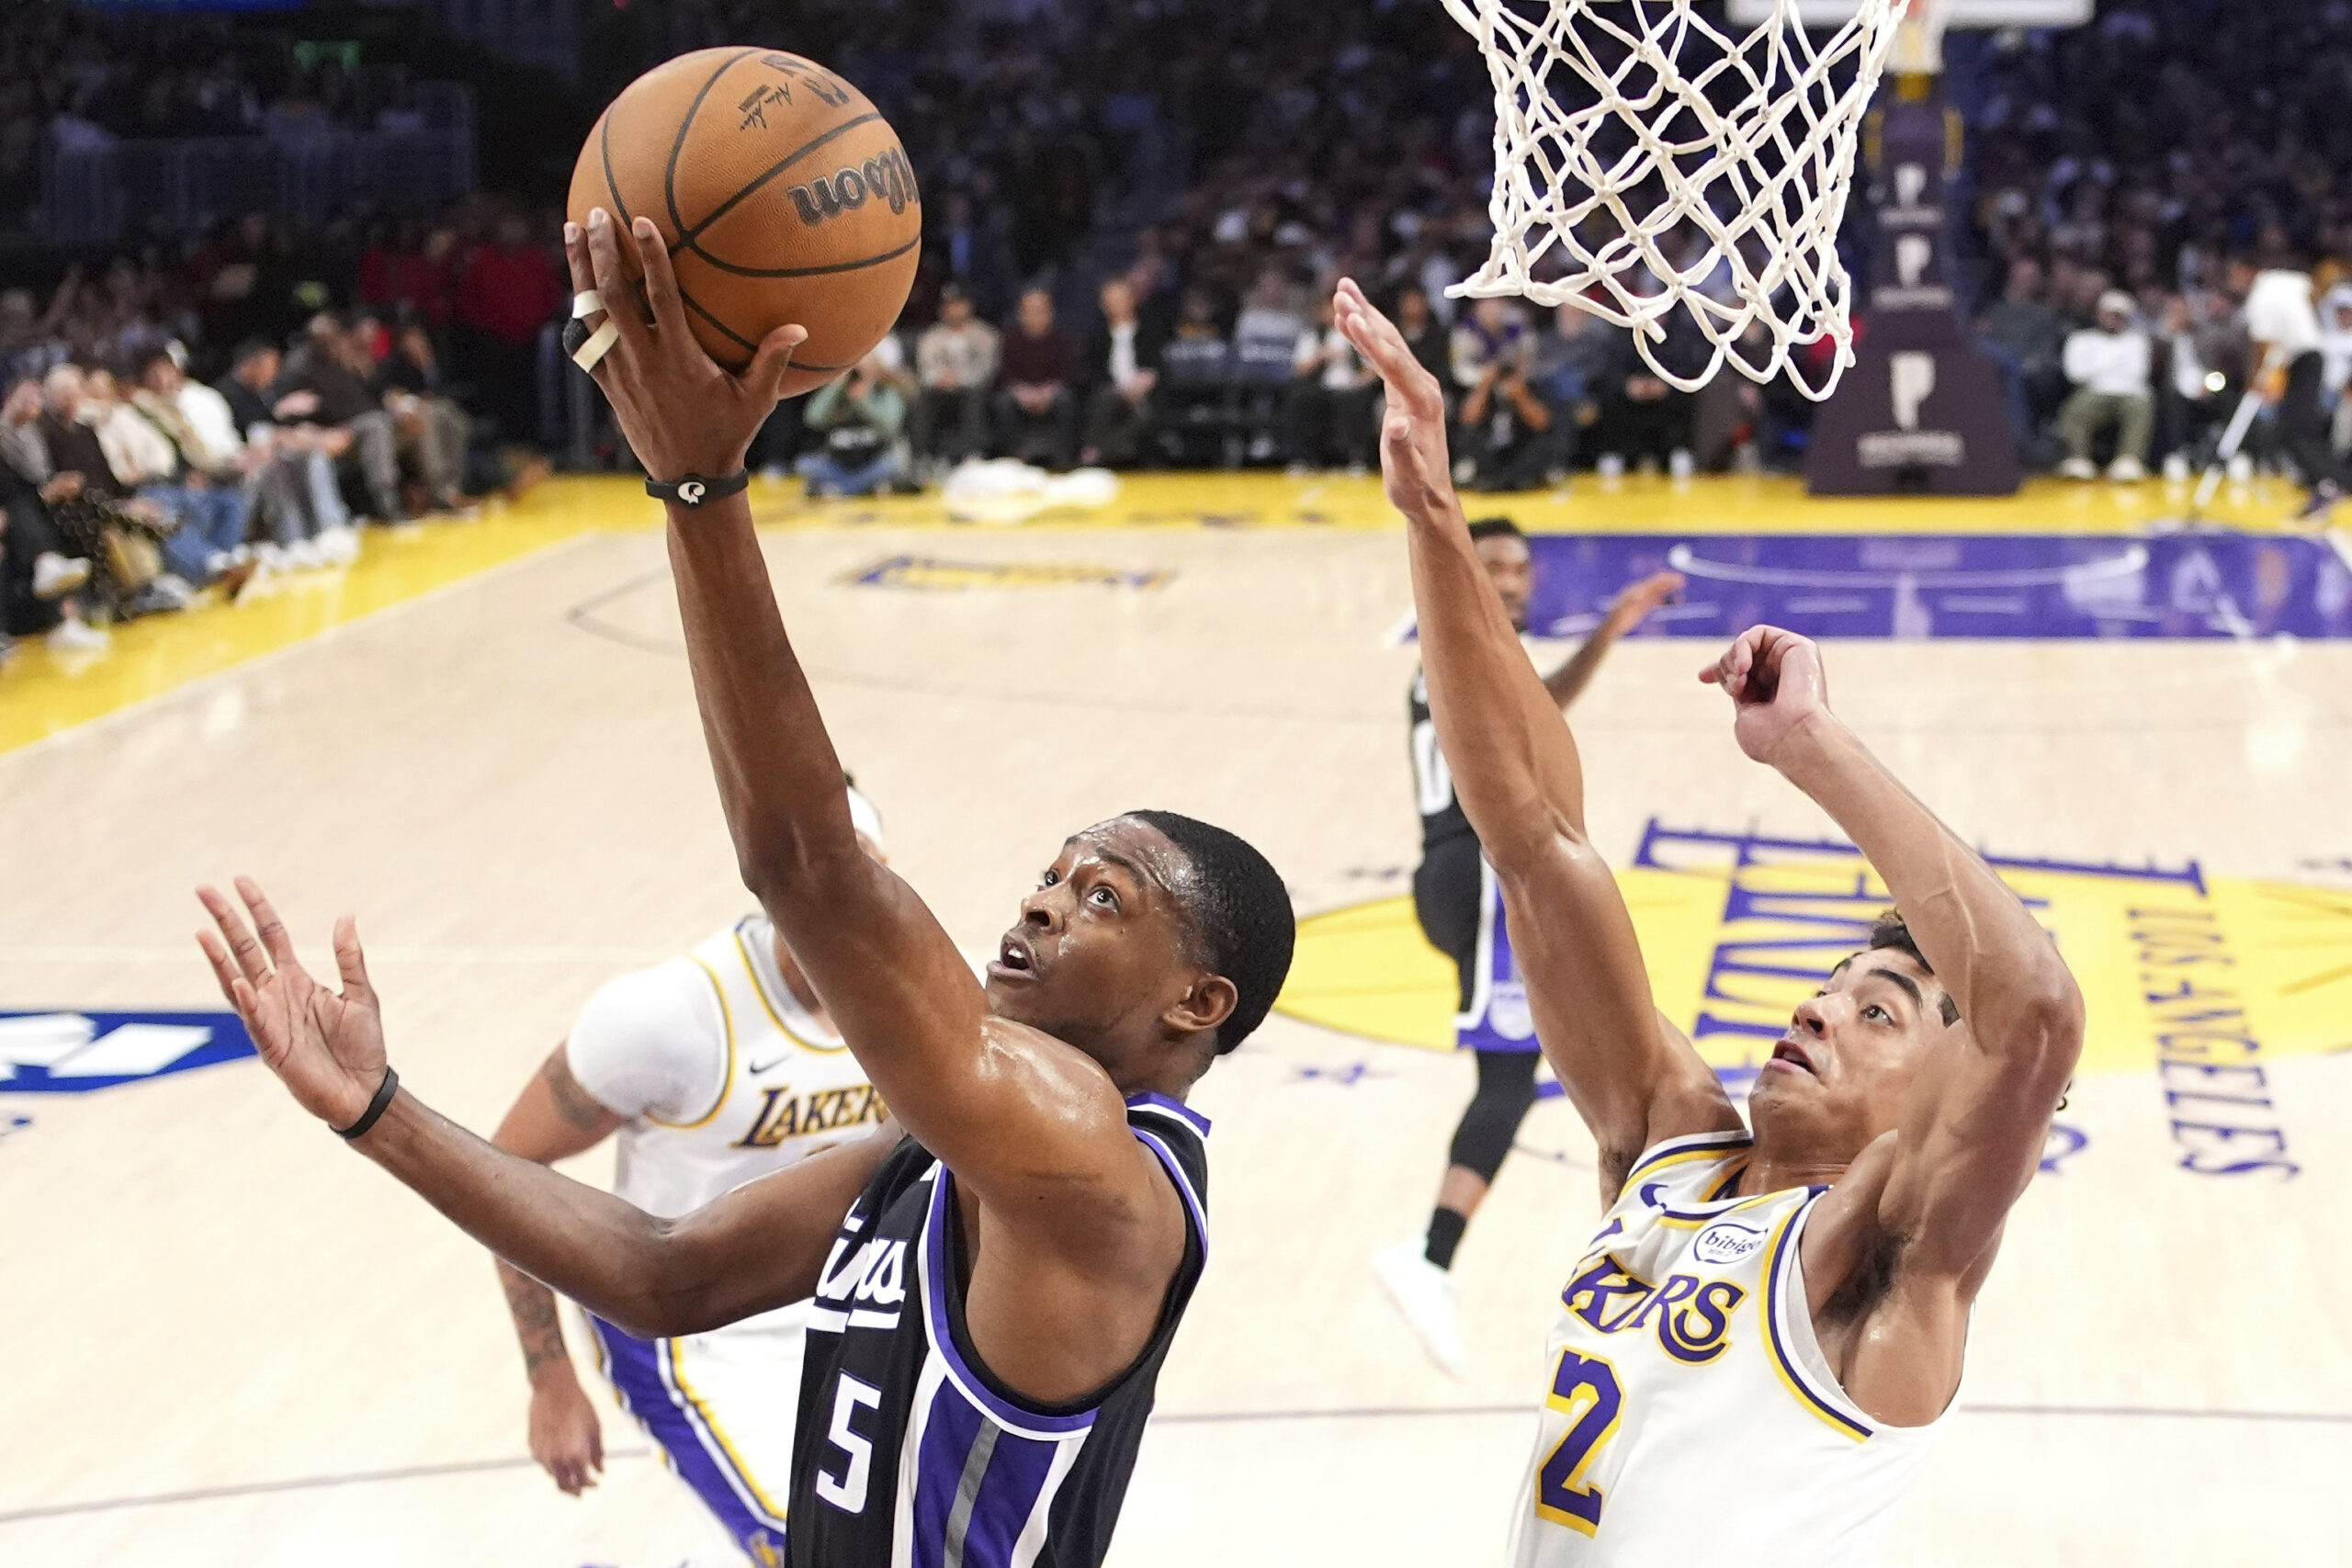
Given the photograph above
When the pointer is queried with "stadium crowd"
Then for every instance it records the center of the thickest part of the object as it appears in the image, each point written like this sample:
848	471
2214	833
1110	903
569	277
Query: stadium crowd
1133	216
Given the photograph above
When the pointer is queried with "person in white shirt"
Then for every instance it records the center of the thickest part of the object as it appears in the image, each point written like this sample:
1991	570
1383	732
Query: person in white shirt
955	361
1123	360
714	1068
1329	417
2276	300
2109	367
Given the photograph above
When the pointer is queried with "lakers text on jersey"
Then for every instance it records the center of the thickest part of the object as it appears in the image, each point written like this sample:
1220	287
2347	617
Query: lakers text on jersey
1684	1374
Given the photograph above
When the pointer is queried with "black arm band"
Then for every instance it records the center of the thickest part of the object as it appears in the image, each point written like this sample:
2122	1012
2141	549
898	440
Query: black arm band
368	1118
693	490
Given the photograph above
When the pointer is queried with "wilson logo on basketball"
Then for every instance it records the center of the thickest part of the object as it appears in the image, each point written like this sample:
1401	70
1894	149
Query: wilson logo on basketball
886	177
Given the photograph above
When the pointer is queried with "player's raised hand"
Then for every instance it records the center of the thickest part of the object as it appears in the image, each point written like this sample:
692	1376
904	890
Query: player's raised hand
681	412
1639	599
328	1049
1413	459
1776	684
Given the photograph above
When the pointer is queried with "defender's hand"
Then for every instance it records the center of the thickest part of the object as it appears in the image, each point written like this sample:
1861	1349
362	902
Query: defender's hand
1776	687
566	1438
327	1049
681	413
1633	606
1413	461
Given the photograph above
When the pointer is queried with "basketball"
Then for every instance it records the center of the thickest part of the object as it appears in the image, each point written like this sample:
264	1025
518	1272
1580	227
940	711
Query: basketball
783	194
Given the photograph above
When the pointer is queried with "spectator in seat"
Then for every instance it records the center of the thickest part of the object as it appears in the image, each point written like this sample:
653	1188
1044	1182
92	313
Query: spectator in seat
1328	420
2109	365
1123	362
38	576
1568	366
428	427
956	360
858	418
1426	336
1196	383
1265	345
1513	439
101	519
204	487
320	390
1036	411
508	289
2028	340
313	527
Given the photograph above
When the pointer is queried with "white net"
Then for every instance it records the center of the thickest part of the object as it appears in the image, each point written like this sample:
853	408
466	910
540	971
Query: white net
1646	162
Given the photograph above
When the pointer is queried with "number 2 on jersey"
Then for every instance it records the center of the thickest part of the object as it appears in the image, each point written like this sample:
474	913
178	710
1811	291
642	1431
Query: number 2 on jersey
1584	1389
847	1490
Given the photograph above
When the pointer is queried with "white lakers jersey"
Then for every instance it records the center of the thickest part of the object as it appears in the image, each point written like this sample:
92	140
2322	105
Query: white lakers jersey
723	1077
1689	1410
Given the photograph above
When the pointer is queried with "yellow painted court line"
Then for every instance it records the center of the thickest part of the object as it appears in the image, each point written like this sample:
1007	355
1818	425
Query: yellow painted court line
41	695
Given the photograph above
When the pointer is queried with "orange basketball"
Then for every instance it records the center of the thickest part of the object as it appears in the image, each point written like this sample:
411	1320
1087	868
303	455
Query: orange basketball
783	194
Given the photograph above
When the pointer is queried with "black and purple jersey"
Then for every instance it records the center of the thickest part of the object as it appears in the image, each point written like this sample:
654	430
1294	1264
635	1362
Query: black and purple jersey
908	1454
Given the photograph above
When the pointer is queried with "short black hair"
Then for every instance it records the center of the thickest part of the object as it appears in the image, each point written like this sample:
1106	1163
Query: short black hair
142	363
1889	931
1240	912
1496	528
251	349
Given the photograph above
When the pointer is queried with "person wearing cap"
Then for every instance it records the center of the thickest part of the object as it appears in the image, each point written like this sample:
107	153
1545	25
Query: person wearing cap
714	1068
2108	365
955	362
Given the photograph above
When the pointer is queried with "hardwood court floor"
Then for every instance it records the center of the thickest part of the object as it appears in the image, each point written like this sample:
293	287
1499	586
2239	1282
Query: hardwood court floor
230	1343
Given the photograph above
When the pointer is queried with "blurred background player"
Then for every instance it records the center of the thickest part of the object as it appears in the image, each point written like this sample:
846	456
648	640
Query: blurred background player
1460	910
714	1067
2282	327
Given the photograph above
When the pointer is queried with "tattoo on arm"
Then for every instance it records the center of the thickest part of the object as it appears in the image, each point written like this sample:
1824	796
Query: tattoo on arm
535	1323
574	1104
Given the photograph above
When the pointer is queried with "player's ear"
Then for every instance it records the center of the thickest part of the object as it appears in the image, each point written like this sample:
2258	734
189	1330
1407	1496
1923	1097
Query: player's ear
1209	1002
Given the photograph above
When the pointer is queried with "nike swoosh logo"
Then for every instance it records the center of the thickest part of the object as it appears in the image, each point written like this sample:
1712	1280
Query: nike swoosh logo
756	1069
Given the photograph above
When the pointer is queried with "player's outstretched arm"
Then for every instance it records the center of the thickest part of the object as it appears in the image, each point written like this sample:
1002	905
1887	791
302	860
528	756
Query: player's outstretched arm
1628	610
1971	1137
762	1245
554	1118
1023	1126
1520	781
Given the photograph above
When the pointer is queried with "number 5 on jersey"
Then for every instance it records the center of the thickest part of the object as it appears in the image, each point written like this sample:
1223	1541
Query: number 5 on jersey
847	1490
1585	1389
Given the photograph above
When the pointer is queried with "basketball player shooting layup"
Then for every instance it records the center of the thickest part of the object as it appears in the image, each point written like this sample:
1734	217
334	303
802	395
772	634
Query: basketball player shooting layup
993	1294
714	1068
1773	1321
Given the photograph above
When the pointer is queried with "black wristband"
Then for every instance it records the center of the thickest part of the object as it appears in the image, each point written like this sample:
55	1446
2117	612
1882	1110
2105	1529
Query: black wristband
693	490
368	1118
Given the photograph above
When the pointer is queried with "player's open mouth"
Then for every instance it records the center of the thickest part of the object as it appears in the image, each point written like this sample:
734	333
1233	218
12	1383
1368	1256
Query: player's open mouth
1013	959
1789	1054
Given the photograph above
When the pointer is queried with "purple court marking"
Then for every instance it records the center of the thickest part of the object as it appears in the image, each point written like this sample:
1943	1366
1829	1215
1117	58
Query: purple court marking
2204	584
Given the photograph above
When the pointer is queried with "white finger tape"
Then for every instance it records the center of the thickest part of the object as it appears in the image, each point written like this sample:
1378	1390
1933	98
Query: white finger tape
586	303
603	338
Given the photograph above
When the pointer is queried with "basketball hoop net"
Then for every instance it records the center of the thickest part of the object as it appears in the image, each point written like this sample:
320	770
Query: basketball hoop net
1623	127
